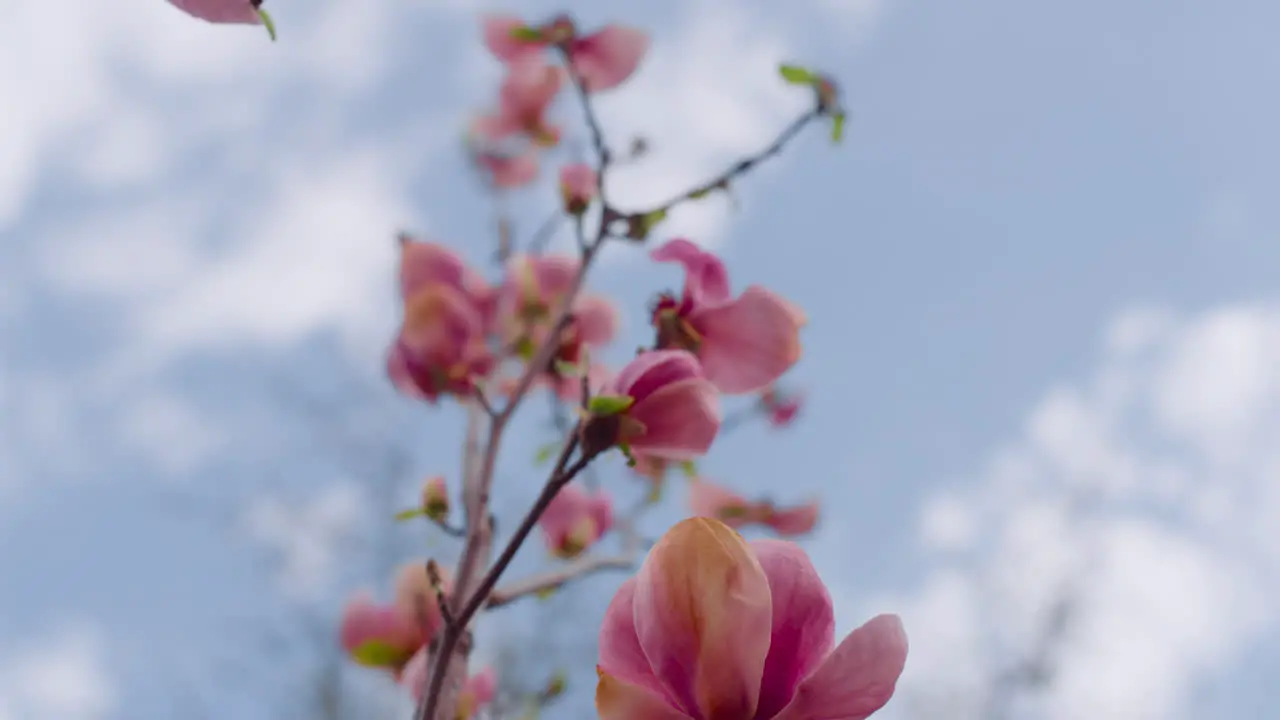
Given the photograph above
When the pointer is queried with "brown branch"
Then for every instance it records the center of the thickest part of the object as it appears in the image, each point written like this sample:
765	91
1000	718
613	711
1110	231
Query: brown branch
457	632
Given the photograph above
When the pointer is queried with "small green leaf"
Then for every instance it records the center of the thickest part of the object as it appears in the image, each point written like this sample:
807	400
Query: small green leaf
409	514
796	75
526	33
545	593
837	127
268	23
641	225
689	468
375	653
545	452
730	513
606	405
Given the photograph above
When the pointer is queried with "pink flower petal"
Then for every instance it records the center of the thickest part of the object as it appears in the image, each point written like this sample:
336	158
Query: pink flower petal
596	318
606	58
681	420
702	612
707	499
528	88
554	274
414	674
620	653
400	374
495	126
220	11
619	700
364	620
748	343
508	172
423	263
798	520
857	679
803	622
482	686
498	38
706	281
650	371
578	182
600	509
564	511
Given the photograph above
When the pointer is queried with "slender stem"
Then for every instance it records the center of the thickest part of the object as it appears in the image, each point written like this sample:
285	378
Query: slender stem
558	577
745	165
603	157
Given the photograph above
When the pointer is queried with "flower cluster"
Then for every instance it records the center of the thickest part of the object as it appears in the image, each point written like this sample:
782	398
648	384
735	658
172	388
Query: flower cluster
711	626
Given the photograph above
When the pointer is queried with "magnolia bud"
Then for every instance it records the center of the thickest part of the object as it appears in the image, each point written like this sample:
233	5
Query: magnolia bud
435	499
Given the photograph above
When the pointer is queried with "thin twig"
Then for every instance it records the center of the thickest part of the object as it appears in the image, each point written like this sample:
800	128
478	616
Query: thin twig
603	156
553	579
743	166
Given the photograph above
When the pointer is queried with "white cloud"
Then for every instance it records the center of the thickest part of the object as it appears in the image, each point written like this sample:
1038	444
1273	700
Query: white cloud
308	535
62	678
1148	496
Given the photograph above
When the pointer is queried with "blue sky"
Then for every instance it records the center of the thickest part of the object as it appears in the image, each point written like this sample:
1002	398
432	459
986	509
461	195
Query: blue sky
1041	266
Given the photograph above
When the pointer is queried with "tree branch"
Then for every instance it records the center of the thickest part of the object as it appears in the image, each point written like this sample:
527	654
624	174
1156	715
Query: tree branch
553	579
743	166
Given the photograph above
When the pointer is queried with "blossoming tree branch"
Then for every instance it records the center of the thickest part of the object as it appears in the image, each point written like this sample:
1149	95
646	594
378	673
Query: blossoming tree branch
709	626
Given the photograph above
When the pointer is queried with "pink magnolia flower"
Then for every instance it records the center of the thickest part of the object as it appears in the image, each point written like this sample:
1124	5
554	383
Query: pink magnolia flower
376	635
713	627
577	187
500	37
575	520
424	263
744	343
602	60
441	347
477	692
245	12
668	408
526	94
707	499
535	288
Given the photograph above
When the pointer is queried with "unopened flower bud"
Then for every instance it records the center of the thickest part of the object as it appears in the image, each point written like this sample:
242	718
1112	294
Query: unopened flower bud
828	94
577	187
435	499
579	538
